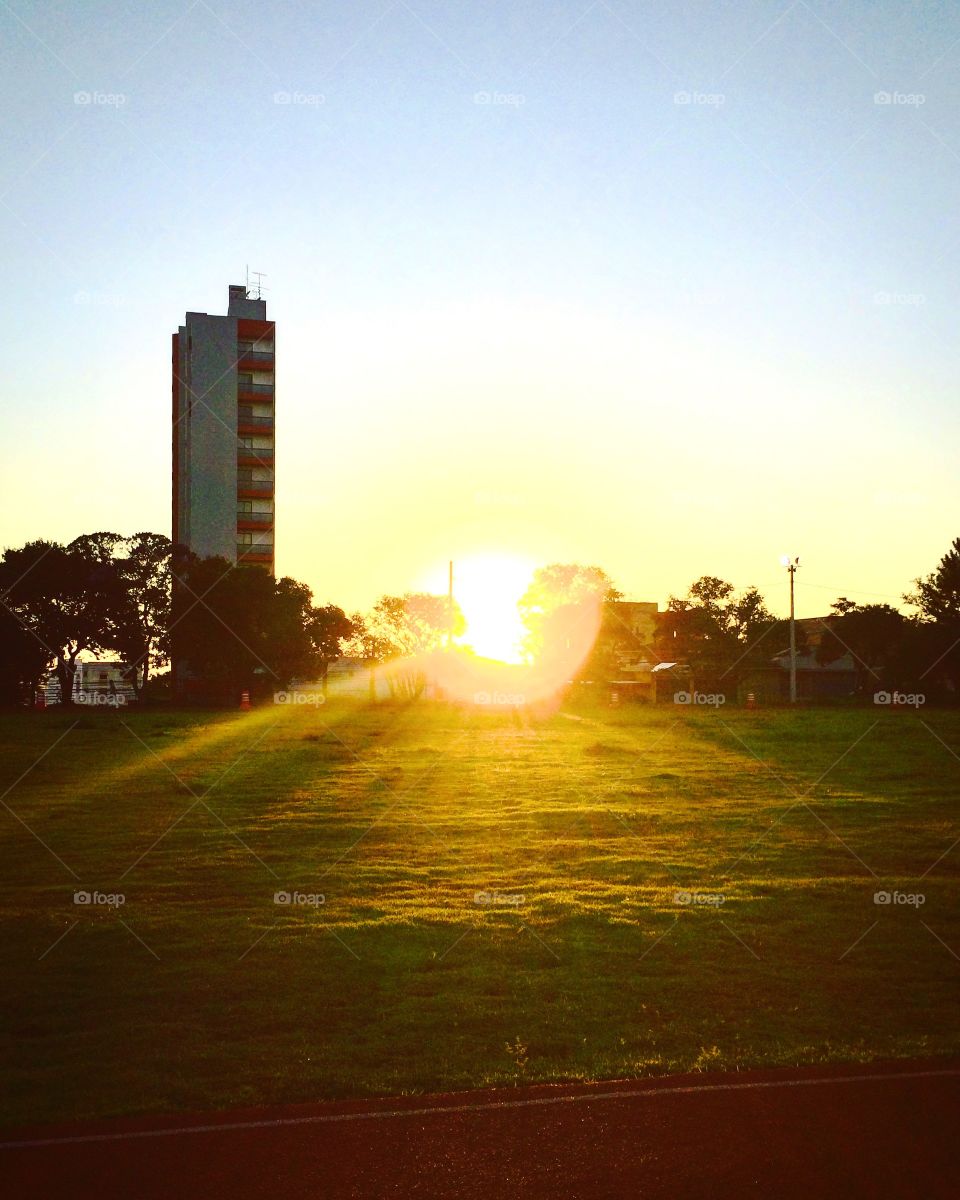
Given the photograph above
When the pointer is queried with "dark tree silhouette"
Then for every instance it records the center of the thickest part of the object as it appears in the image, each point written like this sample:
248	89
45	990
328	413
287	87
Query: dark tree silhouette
330	629
937	639
719	634
239	629
68	597
874	636
24	660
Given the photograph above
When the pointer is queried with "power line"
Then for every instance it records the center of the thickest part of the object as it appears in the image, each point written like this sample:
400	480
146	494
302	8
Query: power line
829	587
840	591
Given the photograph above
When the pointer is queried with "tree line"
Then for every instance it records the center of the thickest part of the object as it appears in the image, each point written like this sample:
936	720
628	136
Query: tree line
146	601
722	634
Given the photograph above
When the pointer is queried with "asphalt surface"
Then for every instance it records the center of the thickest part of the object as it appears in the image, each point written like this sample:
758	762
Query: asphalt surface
886	1131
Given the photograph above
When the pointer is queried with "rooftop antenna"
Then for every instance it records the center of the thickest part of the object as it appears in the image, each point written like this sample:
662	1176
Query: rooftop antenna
256	291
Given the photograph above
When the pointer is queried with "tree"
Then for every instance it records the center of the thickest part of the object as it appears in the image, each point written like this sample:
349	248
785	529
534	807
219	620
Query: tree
938	595
717	633
368	645
560	584
937	638
415	623
561	610
235	628
874	636
238	628
143	638
407	629
23	660
67	597
329	628
136	620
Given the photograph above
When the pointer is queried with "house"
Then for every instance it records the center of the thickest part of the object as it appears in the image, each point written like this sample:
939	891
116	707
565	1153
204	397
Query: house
626	639
834	680
769	682
635	621
815	680
670	679
96	683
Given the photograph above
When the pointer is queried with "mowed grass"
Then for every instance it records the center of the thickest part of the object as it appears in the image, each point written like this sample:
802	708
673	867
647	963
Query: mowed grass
592	825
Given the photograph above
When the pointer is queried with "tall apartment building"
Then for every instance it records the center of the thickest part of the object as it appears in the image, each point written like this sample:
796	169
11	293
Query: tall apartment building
223	432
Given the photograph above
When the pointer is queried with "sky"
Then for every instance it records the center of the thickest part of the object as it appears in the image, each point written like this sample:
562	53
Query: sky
670	288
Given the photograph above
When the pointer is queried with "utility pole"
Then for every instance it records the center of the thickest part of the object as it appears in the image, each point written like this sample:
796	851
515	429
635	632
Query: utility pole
450	605
791	564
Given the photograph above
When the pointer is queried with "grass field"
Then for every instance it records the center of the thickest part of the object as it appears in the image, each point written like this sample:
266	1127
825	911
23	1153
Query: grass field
584	830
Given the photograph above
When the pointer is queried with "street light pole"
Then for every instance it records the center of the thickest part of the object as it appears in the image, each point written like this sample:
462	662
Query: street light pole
450	604
791	565
438	691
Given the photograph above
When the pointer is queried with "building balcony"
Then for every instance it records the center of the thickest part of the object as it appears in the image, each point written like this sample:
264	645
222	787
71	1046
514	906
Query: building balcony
254	456
252	520
255	553
247	423
255	360
254	491
253	391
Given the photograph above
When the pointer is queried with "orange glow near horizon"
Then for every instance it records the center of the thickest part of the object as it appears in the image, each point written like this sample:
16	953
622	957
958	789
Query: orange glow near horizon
490	665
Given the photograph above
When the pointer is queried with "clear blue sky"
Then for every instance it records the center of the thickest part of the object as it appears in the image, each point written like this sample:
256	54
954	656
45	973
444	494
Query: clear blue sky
579	320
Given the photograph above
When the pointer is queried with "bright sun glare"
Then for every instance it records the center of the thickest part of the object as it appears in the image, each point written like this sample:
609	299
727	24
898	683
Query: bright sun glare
487	588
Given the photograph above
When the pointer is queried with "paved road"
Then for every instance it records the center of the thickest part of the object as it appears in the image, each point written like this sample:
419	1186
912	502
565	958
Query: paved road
879	1132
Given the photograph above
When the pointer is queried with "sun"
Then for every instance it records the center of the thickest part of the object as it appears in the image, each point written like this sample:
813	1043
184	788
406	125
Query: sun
487	588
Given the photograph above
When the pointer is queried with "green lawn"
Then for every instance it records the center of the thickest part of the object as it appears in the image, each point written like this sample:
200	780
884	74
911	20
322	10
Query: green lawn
201	992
